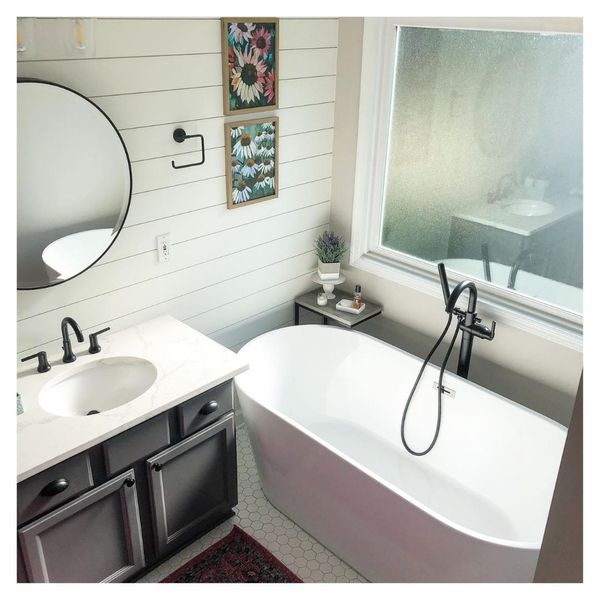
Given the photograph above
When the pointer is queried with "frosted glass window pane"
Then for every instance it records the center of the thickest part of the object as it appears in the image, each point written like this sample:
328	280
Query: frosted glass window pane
486	152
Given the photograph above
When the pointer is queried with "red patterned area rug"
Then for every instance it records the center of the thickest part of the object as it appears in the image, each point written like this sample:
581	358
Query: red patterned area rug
237	558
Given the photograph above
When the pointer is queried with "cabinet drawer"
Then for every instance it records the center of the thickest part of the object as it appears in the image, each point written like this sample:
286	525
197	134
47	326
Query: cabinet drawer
138	442
53	486
205	408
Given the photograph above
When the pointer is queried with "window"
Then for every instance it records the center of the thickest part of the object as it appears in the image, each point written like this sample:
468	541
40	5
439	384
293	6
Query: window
481	164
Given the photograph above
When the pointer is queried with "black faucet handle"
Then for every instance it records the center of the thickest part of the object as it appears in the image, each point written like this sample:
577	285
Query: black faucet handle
94	345
444	283
43	364
483	332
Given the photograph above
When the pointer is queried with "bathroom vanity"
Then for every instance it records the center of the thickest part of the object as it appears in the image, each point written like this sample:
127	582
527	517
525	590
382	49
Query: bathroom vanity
103	496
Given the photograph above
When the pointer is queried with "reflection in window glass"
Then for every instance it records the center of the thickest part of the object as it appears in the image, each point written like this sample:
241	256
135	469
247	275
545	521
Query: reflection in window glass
484	167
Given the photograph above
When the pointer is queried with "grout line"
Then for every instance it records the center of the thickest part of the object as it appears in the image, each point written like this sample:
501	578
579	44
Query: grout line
172	272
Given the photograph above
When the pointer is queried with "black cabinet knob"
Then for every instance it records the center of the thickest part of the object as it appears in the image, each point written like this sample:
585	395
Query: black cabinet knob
157	466
55	487
209	407
130	482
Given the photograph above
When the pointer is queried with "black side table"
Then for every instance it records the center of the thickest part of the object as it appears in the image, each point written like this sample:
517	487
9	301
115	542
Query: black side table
308	302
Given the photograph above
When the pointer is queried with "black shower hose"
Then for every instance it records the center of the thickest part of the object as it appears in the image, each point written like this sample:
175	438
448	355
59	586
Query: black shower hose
442	369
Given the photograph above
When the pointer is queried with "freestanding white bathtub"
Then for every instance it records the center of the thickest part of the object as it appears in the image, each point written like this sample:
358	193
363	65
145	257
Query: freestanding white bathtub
323	407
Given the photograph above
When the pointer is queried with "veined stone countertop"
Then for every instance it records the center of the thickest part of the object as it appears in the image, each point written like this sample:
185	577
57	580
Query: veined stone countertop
188	363
494	215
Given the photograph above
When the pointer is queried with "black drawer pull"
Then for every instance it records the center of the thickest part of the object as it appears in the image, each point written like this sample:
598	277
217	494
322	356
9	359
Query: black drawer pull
157	466
130	482
209	407
55	487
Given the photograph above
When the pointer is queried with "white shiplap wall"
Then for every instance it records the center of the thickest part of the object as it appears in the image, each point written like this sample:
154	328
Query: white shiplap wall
233	273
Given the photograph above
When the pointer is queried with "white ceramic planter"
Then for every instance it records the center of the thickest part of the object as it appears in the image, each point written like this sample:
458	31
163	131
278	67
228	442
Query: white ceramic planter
329	270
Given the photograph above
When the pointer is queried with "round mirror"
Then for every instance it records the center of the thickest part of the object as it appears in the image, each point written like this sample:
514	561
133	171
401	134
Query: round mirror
73	183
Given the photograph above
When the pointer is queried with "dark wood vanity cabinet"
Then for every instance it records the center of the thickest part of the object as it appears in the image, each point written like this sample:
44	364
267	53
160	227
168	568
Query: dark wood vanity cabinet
106	514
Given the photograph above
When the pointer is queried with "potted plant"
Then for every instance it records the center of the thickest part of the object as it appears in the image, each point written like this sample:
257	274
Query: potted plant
330	249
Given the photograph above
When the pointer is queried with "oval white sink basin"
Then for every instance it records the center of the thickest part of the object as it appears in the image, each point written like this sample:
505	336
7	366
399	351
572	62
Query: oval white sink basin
528	208
98	386
71	254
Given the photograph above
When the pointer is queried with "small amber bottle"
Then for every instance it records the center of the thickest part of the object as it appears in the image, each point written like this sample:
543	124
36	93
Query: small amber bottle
357	301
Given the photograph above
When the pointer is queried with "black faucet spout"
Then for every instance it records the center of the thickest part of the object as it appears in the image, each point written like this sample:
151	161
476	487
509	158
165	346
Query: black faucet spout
68	355
457	292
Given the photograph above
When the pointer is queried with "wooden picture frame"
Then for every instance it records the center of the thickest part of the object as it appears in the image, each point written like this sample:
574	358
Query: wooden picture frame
252	168
254	85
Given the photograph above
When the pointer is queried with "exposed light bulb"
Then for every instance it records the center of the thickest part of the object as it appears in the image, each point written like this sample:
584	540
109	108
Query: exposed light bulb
79	34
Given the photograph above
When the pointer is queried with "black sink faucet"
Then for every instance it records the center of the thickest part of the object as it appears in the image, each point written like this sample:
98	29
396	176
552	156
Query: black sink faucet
68	355
469	323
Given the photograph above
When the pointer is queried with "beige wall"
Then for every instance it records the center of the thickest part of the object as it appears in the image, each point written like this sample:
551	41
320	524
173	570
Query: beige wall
524	367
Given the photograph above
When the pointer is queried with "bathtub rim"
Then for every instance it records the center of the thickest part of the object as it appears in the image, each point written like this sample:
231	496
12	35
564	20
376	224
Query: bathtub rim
377	478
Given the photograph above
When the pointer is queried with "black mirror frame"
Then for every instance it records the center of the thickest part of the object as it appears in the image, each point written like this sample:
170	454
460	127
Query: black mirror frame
64	87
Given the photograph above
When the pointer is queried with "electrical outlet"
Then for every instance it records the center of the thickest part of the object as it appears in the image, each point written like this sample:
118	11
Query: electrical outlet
163	247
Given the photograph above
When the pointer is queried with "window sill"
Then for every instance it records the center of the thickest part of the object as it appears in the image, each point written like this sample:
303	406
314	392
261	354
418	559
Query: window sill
538	318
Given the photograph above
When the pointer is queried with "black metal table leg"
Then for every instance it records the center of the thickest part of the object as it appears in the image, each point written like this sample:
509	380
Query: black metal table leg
325	320
296	314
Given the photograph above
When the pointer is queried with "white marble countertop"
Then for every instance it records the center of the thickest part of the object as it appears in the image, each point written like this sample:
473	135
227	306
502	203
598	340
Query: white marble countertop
188	363
493	215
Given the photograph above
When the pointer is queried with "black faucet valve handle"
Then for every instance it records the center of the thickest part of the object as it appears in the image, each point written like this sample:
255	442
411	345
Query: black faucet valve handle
43	364
94	345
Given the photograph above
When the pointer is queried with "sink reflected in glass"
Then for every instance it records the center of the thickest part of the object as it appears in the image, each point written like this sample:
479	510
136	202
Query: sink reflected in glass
527	208
98	386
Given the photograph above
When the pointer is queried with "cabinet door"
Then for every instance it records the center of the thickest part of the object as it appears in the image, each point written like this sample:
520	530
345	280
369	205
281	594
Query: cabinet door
96	538
193	484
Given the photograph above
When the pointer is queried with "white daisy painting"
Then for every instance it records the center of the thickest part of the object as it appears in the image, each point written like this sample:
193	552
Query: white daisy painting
250	61
251	151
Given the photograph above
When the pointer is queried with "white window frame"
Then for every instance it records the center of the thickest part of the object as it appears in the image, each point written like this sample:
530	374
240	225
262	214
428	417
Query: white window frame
366	252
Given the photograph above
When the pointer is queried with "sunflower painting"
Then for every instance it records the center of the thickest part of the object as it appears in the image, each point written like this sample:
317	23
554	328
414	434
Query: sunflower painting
250	62
251	153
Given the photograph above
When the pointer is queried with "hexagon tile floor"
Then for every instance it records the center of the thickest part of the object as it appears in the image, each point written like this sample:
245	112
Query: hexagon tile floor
297	550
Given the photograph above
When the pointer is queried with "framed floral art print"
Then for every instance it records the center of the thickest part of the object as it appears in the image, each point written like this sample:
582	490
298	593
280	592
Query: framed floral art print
251	157
250	64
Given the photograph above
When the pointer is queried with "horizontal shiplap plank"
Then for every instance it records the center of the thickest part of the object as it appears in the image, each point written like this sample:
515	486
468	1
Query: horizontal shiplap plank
142	238
166	202
170	106
176	106
153	141
221	316
313	62
136	269
301	145
306	118
105	77
239	332
157	173
149	37
182	307
177	286
308	33
108	77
